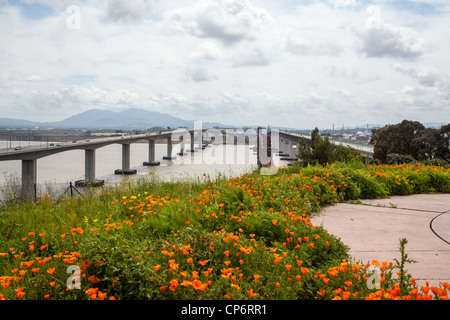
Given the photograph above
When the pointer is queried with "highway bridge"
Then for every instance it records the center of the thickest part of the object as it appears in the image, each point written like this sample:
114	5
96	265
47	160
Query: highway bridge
28	155
289	144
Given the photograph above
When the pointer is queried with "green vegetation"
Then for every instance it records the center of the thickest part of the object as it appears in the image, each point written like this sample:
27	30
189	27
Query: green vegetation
249	237
412	140
320	150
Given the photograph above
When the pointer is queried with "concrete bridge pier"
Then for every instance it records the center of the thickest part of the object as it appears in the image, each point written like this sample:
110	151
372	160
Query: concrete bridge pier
126	161
192	133
29	174
89	171
192	141
151	155
169	150
89	166
182	146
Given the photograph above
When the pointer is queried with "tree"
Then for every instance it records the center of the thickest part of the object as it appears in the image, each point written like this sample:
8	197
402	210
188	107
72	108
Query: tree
322	150
411	138
345	154
395	139
319	151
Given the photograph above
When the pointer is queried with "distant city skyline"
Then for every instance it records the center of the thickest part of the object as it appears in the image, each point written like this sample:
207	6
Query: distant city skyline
299	64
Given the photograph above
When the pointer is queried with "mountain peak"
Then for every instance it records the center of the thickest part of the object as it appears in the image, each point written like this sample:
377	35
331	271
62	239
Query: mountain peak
129	119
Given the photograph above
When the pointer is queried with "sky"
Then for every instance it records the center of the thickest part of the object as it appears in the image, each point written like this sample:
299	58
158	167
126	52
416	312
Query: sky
289	63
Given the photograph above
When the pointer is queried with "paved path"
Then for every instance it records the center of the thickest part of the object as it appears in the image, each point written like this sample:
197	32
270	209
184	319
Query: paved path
373	229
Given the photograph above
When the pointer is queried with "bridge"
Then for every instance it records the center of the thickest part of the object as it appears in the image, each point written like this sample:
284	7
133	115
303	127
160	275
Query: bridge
289	145
30	154
287	149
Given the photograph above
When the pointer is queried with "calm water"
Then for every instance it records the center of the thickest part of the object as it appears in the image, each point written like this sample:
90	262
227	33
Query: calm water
58	170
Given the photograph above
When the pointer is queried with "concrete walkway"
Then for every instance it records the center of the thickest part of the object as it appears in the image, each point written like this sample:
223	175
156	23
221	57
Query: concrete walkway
372	230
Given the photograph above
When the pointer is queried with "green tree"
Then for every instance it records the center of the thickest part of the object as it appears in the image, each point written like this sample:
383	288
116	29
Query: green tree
318	151
411	138
345	154
396	139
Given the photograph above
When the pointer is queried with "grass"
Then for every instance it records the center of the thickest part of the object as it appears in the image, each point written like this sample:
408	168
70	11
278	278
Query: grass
248	237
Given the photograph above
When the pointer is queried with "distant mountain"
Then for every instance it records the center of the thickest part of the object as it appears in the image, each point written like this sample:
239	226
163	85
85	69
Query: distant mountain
130	119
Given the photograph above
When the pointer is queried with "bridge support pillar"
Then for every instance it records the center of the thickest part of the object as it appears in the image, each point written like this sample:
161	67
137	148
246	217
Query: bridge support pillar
89	171
125	162
169	149
29	173
151	155
192	133
182	146
89	166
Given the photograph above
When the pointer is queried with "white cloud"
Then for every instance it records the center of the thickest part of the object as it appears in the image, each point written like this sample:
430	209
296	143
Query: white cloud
254	57
300	44
229	21
233	61
425	76
390	41
130	11
207	51
198	73
343	3
34	78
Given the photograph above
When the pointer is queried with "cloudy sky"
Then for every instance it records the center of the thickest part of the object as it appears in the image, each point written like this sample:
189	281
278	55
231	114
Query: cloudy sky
294	63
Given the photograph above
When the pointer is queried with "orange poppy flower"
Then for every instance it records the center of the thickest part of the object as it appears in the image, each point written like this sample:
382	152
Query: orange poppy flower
346	295
304	270
197	284
288	267
102	295
91	291
186	283
156	268
174	284
250	293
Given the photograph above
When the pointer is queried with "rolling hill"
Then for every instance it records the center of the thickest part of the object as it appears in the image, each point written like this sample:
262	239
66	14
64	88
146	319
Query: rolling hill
131	119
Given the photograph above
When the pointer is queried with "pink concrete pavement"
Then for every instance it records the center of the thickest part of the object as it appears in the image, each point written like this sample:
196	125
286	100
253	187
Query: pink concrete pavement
372	230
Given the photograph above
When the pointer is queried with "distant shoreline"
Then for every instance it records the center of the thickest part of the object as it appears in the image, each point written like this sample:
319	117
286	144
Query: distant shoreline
67	138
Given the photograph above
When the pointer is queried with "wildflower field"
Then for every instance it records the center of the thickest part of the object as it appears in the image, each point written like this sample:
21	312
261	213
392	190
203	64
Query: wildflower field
248	237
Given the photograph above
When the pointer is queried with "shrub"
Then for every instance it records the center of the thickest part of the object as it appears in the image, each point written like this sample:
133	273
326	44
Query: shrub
394	158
